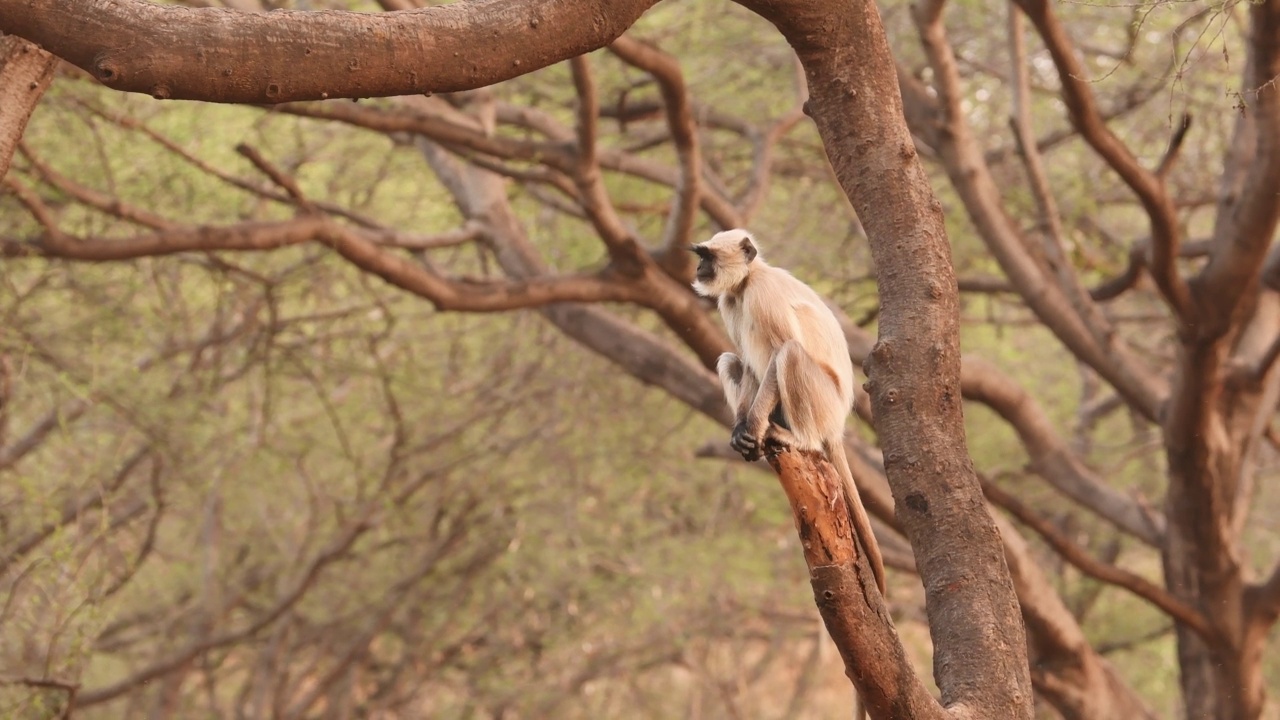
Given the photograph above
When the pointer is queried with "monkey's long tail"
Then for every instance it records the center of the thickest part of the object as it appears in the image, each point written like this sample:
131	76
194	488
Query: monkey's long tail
858	514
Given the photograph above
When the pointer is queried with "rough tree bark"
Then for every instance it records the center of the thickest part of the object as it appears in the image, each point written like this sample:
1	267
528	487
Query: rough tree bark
1224	398
862	629
25	73
914	369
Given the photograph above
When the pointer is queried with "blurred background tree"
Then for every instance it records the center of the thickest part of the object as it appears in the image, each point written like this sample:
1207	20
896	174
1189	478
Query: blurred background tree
288	429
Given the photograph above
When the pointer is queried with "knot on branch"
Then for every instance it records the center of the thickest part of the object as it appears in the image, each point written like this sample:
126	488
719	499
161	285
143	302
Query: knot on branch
106	70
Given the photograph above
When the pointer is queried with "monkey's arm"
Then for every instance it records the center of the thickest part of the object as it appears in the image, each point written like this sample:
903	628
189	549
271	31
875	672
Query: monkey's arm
740	385
751	421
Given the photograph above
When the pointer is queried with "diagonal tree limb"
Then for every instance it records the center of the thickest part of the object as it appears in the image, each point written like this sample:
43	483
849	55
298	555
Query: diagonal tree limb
1097	569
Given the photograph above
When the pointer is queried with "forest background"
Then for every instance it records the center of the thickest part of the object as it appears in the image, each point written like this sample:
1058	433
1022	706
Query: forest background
252	466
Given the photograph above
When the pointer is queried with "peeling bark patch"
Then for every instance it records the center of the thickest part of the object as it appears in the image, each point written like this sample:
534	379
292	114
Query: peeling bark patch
917	503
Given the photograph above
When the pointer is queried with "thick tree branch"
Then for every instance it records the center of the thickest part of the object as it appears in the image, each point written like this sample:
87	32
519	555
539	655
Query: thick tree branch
218	55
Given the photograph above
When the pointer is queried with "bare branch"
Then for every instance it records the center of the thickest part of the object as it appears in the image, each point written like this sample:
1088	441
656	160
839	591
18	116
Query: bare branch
1150	189
70	688
1175	144
845	591
93	198
594	198
73	510
1051	456
278	176
242	236
1248	214
1077	556
1025	139
680	122
1061	304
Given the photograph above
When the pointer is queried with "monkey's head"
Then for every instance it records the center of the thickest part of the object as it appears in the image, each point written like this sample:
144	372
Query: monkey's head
724	262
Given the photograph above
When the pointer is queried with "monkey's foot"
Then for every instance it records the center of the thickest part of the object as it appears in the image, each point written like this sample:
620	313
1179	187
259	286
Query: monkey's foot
778	440
747	443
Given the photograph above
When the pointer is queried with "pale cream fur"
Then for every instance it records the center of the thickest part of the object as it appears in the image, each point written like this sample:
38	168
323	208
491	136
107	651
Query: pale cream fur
793	354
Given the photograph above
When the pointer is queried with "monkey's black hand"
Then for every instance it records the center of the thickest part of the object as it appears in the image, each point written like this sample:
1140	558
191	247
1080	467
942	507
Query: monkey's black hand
746	442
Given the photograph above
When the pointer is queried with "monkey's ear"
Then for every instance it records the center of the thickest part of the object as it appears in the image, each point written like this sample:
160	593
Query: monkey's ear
748	249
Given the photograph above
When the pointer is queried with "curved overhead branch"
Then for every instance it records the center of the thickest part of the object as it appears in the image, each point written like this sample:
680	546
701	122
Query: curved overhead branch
219	55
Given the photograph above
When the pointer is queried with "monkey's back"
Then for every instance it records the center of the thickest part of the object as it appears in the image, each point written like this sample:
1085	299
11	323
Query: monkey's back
785	308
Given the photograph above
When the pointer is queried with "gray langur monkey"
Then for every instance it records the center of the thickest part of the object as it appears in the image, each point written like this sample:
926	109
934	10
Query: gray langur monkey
793	384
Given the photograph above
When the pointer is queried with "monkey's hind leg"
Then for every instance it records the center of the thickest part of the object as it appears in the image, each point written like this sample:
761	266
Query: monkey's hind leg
810	400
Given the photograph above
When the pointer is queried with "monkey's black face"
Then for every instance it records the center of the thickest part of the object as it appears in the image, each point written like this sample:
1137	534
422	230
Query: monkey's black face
706	263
